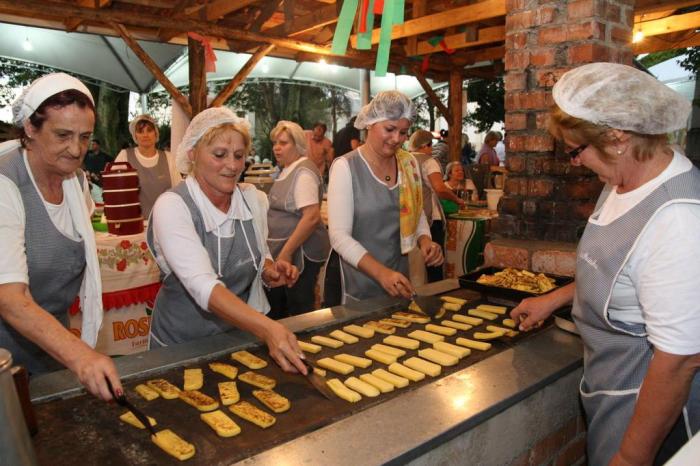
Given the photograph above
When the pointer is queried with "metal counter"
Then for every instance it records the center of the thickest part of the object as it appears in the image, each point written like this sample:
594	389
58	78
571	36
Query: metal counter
393	431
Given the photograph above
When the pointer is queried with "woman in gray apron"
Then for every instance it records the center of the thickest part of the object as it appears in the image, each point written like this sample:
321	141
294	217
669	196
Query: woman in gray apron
208	235
156	168
49	256
370	197
636	298
297	234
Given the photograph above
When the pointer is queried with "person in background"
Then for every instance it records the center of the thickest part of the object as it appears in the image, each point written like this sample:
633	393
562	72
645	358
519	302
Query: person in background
434	189
636	300
468	153
297	234
441	151
347	139
487	154
49	255
456	180
319	147
501	149
375	205
209	238
156	168
95	162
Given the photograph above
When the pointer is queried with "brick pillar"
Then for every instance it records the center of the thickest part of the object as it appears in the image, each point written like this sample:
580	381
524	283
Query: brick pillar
546	198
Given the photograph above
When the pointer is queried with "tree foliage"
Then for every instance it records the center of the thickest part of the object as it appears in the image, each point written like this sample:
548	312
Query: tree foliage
692	61
489	96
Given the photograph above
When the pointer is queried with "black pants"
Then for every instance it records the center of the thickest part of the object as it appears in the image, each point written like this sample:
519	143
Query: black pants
437	231
287	302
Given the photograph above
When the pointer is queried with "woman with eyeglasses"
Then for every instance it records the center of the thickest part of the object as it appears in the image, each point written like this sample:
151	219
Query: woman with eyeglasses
636	300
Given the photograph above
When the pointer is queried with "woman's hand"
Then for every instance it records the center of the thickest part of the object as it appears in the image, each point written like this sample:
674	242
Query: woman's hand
92	368
532	312
279	273
283	347
395	283
432	252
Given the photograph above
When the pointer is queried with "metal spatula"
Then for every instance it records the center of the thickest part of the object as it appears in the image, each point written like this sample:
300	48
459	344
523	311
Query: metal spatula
318	382
122	401
429	305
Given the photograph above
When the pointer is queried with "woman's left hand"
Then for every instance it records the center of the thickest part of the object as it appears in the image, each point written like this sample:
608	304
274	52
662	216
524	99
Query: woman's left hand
432	253
280	273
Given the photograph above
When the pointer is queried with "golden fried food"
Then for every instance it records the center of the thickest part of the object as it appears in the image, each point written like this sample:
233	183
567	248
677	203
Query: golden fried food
164	388
199	400
173	444
522	280
249	360
129	418
221	423
273	400
146	392
257	380
250	413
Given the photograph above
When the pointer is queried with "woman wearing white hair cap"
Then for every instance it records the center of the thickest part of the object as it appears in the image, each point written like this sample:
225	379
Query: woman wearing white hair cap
636	298
375	206
49	256
156	168
208	236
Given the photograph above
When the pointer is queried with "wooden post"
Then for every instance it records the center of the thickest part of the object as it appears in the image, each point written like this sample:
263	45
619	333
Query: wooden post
433	97
226	92
455	121
198	76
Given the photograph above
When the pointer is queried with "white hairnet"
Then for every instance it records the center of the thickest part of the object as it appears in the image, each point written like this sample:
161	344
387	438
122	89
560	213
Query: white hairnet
200	124
621	97
387	105
295	132
41	89
134	122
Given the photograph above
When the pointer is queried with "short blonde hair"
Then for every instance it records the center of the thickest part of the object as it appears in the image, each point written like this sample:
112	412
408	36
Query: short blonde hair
217	131
294	131
420	138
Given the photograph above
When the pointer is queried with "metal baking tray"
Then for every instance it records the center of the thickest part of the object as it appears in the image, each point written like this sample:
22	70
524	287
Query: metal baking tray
469	281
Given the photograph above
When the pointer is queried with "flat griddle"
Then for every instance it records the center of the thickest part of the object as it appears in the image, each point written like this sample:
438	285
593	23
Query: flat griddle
84	430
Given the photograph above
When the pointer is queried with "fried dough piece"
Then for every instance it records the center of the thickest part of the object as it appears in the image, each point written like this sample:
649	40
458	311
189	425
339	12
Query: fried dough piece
223	425
364	332
425	337
228	391
342	391
452	299
389	350
411	317
164	388
493	309
362	387
309	347
421	365
467	319
224	369
199	400
402	342
249	360
129	418
455	325
440	330
356	361
396	322
477	345
146	392
380	327
396	380
380	356
257	380
454	307
489	336
335	366
438	357
250	413
344	337
509	332
454	350
509	323
173	444
482	314
194	379
407	372
273	400
381	385
325	341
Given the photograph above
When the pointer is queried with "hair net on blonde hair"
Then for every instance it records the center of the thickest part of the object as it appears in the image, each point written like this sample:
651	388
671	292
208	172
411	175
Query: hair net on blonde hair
295	132
387	105
41	89
621	97
420	138
198	127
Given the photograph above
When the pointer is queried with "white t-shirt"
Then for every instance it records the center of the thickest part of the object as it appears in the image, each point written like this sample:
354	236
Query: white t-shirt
150	162
13	259
305	187
662	271
178	248
341	209
429	167
501	152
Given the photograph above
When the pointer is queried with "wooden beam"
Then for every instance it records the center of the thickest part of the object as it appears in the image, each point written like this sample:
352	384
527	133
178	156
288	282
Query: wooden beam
318	18
93	3
657	44
454	17
454	137
490	54
42	9
419	9
432	96
197	76
642	7
670	24
165	4
484	36
241	75
153	67
218	8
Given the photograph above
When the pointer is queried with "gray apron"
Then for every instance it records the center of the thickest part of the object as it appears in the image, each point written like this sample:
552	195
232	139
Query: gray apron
56	265
428	192
616	354
283	217
176	316
375	225
153	181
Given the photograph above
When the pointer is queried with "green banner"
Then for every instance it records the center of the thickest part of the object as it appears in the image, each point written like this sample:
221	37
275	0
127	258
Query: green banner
364	39
384	48
344	27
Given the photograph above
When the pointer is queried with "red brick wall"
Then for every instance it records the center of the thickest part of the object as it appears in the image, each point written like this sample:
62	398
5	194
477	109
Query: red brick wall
546	198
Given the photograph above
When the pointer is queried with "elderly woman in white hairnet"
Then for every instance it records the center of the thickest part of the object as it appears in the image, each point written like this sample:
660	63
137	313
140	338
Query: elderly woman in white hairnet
208	235
156	168
375	205
636	298
49	256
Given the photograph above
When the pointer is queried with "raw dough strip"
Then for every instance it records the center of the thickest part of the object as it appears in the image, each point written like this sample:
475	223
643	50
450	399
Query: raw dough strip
438	357
309	347
493	309
402	342
382	385
452	299
396	380
482	314
389	349
467	320
344	337
477	345
380	356
454	350
403	371
440	330
455	325
363	388
421	365
335	366
425	337
358	331
356	361
343	392
325	341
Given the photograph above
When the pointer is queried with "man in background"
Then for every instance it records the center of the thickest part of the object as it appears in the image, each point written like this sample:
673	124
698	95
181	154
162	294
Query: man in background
347	139
320	148
95	161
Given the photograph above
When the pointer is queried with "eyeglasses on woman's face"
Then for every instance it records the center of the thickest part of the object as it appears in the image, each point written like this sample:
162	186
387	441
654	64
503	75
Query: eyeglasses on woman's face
573	153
